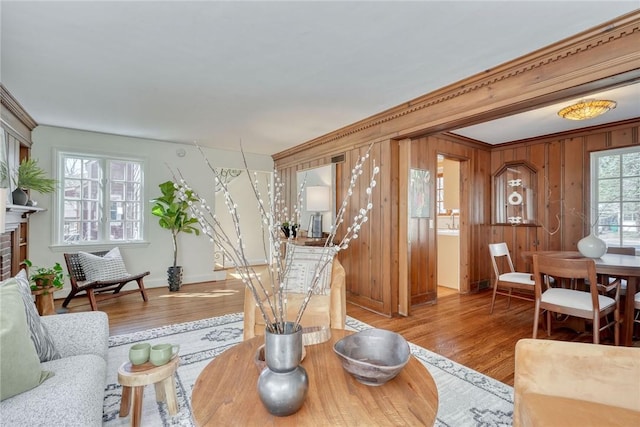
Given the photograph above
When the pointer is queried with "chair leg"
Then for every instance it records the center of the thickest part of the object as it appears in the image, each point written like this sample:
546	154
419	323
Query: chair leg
548	323
596	328
536	317
143	291
68	299
92	299
616	327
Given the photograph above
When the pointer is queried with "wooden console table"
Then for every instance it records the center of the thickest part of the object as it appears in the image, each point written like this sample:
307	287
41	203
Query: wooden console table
226	393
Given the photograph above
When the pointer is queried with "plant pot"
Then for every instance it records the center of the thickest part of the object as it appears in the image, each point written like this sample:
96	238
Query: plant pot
174	277
20	197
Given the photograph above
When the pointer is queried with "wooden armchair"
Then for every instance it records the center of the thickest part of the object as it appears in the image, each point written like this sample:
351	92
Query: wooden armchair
98	290
323	310
560	383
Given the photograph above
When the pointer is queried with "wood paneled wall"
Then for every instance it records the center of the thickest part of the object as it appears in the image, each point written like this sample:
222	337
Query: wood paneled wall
603	57
563	174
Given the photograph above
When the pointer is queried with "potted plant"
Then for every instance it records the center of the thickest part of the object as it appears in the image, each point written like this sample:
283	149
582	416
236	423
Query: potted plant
174	215
28	176
45	278
289	229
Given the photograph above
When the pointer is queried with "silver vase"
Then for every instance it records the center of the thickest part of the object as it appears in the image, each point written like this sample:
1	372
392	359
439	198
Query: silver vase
283	384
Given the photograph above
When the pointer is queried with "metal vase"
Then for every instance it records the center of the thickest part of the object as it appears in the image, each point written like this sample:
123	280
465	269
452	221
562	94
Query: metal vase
283	384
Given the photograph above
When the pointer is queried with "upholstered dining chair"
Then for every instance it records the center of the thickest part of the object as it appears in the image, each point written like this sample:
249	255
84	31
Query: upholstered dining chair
322	311
572	302
507	277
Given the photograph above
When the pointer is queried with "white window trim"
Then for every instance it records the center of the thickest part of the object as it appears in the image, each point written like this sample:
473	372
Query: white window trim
56	236
594	156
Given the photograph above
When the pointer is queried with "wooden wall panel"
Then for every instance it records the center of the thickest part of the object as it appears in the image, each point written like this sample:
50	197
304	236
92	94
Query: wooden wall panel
564	177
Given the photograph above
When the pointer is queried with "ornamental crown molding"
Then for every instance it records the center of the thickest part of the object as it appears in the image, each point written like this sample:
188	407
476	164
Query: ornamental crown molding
10	103
597	39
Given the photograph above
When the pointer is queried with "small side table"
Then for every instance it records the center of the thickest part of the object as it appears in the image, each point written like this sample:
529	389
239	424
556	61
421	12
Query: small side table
138	376
44	301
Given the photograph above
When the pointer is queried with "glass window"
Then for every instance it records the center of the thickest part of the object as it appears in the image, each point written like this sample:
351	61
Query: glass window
102	201
616	195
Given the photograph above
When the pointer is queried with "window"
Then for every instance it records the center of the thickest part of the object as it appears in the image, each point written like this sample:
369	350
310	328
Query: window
102	201
616	195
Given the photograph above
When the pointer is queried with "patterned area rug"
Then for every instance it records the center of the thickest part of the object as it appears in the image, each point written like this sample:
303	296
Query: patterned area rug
467	398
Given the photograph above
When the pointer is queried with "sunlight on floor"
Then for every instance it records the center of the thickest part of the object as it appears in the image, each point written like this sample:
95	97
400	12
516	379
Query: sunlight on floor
210	294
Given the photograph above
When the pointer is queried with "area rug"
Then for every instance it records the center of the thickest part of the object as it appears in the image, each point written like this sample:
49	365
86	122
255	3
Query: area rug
466	397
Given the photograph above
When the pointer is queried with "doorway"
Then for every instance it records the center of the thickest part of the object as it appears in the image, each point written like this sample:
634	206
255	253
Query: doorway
448	222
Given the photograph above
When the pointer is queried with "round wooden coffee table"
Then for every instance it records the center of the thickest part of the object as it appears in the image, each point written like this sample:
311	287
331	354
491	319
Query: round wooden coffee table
137	376
226	393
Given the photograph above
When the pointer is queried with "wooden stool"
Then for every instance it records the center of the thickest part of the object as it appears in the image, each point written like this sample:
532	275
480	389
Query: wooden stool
138	376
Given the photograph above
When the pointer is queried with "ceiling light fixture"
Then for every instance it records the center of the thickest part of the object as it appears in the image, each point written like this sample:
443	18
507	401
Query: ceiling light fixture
587	109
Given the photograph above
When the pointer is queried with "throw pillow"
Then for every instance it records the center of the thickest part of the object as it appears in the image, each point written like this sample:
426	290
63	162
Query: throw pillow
19	363
103	268
302	263
39	335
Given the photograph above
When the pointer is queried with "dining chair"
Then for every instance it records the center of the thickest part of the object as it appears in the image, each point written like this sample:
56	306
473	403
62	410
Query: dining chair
608	281
589	304
636	306
507	277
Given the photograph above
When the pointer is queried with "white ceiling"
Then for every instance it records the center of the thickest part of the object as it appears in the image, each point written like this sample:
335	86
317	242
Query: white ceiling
272	74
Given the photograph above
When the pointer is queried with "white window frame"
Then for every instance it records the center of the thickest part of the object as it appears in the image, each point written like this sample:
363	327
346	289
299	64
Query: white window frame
602	223
58	214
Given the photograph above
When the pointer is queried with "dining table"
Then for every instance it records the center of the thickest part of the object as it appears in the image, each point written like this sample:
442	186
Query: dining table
625	266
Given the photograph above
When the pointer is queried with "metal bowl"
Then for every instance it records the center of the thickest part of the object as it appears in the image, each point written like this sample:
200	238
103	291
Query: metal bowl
373	356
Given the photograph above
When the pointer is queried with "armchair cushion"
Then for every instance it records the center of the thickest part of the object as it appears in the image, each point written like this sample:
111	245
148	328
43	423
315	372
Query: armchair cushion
103	268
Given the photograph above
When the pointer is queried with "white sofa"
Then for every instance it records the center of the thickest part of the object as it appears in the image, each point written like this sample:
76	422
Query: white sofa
74	395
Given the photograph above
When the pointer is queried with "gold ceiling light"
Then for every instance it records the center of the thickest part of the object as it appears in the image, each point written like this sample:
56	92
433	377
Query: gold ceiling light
587	109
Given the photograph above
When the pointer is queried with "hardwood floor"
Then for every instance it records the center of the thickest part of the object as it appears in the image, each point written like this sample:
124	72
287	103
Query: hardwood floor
458	326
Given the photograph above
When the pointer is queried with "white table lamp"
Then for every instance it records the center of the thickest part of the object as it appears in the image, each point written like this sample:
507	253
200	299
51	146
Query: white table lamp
318	200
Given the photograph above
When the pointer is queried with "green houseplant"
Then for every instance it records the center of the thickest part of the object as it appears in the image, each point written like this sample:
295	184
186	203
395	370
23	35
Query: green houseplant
45	277
174	215
28	176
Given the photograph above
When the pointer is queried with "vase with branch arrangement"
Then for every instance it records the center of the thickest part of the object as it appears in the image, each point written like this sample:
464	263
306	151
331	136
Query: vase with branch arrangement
270	295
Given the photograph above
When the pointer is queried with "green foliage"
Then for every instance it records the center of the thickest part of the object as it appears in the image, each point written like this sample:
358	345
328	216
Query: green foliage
45	277
30	176
174	214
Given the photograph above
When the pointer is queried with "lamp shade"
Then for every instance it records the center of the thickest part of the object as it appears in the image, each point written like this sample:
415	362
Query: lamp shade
318	198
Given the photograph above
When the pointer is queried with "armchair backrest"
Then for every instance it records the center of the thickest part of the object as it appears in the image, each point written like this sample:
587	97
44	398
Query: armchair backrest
323	310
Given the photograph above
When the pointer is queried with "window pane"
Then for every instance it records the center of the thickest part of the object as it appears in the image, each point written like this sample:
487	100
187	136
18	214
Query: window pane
90	231
71	210
609	166
609	190
90	190
631	164
133	211
117	231
631	189
117	191
73	168
90	211
116	211
72	189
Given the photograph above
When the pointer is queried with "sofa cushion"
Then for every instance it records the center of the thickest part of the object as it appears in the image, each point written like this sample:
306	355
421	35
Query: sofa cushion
103	268
20	368
39	334
73	397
